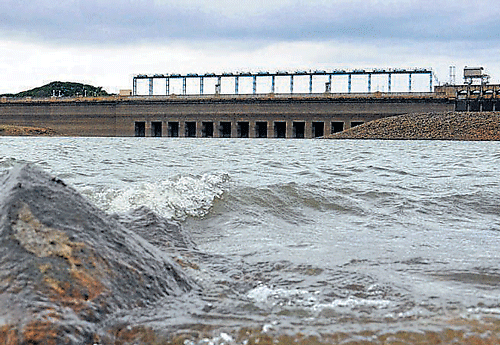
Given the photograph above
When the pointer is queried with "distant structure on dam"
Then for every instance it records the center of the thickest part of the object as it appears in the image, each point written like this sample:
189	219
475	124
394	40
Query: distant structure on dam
301	104
311	77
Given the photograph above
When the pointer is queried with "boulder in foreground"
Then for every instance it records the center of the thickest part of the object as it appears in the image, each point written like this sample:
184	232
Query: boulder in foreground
66	266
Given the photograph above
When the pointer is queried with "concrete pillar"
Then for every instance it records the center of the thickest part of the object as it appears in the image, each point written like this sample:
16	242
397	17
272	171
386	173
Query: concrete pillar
148	129
289	129
308	130
251	129
216	129
164	128
199	127
182	129
270	129
234	129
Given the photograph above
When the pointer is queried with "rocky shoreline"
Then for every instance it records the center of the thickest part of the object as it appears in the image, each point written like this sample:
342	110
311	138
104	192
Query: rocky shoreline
6	130
483	126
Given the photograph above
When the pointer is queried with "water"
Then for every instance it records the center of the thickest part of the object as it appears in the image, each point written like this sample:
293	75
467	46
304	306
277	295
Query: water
308	236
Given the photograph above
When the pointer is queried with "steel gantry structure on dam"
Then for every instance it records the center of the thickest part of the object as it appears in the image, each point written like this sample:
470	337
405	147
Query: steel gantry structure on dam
273	75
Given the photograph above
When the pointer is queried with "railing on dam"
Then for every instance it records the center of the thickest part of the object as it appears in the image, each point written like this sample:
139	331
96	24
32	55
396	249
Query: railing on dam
327	77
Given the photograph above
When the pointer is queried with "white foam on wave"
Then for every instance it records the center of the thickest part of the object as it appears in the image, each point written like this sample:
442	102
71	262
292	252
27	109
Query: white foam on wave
484	310
282	296
309	299
352	302
175	198
221	339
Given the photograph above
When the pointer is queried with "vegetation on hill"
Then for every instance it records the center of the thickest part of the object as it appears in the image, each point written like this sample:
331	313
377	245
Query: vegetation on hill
61	89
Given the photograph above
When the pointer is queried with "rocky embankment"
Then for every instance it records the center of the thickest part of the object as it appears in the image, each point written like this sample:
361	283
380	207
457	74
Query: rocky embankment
6	130
437	126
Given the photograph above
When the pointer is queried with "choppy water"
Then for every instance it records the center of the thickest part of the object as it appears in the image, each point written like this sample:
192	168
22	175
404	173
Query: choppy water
309	236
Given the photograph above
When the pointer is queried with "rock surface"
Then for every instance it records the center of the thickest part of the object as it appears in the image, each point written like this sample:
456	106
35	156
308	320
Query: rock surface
66	266
6	130
440	126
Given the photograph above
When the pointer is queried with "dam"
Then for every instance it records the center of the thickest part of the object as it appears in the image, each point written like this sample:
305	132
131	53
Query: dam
235	115
260	116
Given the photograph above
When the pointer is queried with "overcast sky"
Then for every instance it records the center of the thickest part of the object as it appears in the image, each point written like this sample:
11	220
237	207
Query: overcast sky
106	42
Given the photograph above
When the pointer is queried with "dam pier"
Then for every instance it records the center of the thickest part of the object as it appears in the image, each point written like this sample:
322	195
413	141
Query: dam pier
260	113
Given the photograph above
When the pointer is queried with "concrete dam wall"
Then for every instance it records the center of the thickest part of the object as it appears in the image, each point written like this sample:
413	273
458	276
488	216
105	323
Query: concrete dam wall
232	116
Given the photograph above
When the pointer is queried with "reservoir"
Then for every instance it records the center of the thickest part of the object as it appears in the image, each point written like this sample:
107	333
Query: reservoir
319	237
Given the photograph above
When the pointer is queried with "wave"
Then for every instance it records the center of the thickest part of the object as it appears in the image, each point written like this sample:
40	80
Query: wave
212	194
175	198
104	274
292	202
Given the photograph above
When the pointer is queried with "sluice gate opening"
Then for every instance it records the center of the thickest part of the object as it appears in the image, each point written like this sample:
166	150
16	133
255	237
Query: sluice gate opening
225	130
298	130
318	129
356	123
173	129
191	129
280	129
207	129
156	130
243	129
261	129
140	129
337	127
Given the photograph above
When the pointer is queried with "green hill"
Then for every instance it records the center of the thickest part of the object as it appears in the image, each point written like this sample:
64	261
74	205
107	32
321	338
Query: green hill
63	89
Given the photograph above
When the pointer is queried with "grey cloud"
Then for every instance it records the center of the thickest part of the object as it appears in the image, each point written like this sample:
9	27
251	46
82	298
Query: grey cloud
115	22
